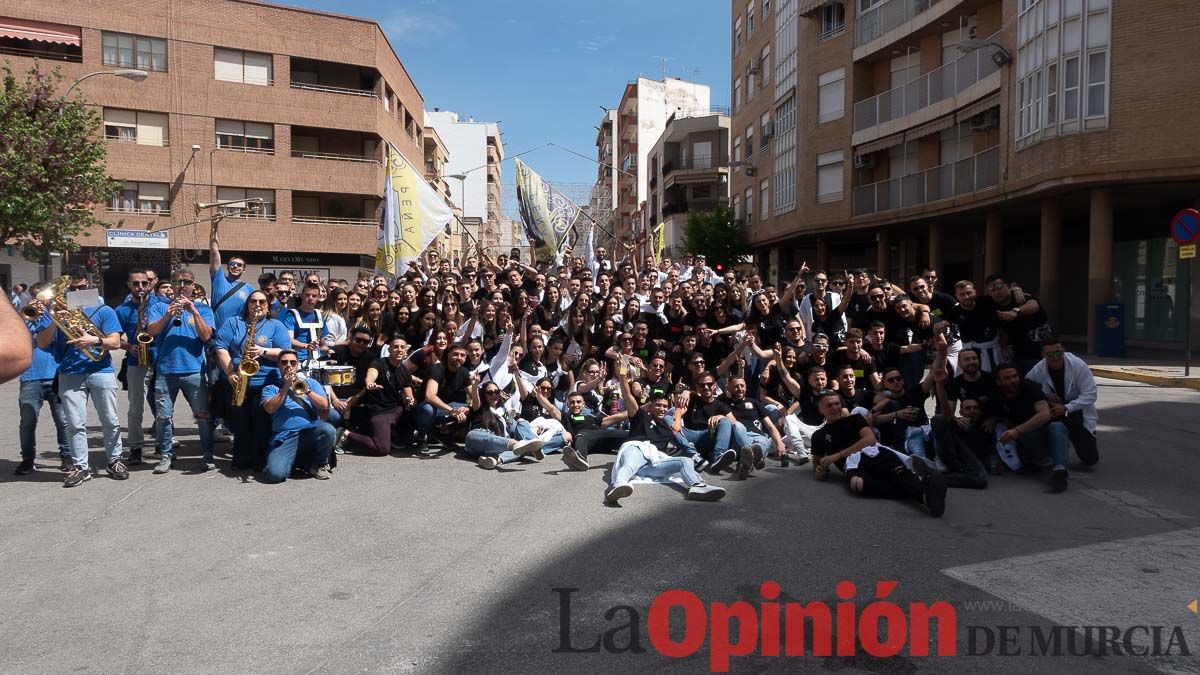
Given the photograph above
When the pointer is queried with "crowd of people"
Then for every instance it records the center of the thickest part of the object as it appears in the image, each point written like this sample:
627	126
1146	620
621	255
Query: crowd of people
677	370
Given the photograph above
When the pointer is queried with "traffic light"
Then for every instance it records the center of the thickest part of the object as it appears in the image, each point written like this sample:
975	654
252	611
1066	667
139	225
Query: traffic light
720	267
102	261
90	264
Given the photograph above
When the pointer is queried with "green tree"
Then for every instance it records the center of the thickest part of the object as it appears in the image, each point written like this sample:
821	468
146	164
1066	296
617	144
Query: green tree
716	234
52	169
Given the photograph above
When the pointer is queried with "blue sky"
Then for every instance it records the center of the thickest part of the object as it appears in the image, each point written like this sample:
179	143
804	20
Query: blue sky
543	68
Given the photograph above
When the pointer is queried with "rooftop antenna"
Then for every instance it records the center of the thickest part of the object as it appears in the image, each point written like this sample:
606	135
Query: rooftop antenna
664	60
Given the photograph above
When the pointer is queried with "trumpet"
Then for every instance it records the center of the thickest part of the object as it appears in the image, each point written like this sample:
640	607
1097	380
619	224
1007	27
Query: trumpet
300	387
31	312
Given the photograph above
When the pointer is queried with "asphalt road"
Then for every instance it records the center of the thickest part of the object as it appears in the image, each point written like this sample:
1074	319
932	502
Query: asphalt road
404	565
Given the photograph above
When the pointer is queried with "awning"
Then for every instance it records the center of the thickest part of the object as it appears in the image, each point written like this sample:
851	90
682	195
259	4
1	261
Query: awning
879	144
978	107
930	128
23	29
808	6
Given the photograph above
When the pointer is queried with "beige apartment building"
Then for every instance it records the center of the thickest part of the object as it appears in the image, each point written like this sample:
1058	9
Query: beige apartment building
1046	140
689	171
243	99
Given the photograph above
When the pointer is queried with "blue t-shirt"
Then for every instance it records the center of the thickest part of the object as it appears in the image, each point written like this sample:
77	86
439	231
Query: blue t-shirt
44	366
269	334
288	319
180	349
235	303
127	314
295	414
71	359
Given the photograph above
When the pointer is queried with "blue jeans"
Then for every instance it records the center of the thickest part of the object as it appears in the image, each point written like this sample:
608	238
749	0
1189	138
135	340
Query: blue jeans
30	398
1053	437
308	447
195	392
480	443
709	442
426	416
914	441
631	462
752	437
74	390
522	431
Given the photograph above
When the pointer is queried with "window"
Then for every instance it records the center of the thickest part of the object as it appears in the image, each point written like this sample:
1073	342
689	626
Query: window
246	136
764	191
737	94
831	88
764	62
134	126
749	200
749	86
750	19
829	177
1097	82
833	20
864	5
765	125
766	8
737	210
246	67
134	51
137	197
784	150
737	36
749	141
737	151
905	69
263	211
1071	90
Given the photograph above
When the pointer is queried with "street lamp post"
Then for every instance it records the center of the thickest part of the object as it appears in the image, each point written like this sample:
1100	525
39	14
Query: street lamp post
131	74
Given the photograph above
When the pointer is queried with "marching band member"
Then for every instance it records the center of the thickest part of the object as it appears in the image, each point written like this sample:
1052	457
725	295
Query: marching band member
37	385
251	424
300	435
181	329
306	325
133	315
81	378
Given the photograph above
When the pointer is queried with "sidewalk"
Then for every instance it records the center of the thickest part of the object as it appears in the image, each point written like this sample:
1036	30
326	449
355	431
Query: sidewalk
1147	371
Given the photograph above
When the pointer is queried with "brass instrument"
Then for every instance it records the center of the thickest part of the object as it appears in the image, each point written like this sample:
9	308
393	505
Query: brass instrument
74	323
31	312
300	386
247	368
143	340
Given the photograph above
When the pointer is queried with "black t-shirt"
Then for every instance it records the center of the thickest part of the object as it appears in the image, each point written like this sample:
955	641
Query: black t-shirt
699	412
750	412
581	422
531	409
656	389
837	436
1020	408
978	324
1058	381
913	397
810	411
1026	331
770	327
864	320
643	428
983	390
452	387
831	326
864	365
942	307
343	357
857	308
862	398
394	380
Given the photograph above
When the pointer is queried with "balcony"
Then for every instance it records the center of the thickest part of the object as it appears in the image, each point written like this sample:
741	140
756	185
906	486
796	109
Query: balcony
932	88
335	145
972	174
323	208
630	162
41	40
887	16
334	78
705	163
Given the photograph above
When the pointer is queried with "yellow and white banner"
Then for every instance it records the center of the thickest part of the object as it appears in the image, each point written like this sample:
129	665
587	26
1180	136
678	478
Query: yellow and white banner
411	216
660	241
547	214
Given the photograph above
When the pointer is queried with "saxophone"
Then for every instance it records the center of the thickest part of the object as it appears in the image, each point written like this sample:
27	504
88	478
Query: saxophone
74	323
247	368
143	340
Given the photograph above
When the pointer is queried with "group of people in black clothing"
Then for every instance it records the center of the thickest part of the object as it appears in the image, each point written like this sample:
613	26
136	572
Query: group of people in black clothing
678	370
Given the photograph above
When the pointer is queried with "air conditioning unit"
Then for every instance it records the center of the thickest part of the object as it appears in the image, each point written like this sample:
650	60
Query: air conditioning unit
752	66
768	129
864	161
985	120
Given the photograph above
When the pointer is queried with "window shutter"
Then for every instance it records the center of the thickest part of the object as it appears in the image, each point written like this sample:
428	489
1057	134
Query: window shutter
151	128
227	64
258	68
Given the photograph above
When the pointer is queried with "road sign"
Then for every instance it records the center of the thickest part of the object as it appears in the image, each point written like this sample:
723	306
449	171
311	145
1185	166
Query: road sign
1185	227
1188	251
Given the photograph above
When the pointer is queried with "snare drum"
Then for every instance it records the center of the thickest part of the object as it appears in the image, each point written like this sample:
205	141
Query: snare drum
339	376
318	371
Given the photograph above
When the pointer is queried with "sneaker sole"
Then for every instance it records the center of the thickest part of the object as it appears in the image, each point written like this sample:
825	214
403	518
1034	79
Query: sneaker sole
723	461
618	493
935	496
115	476
86	478
572	459
745	462
710	496
922	467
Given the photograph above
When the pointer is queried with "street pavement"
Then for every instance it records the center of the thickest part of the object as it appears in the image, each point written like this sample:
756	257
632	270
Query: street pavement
437	566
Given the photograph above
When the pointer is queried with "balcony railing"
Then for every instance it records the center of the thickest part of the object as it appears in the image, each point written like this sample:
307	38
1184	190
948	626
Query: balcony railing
144	211
348	91
933	87
45	54
249	214
974	173
246	148
701	163
334	156
134	141
322	220
885	16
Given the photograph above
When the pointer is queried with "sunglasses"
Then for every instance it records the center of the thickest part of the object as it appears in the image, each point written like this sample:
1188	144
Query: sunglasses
794	328
139	283
258	301
545	388
821	347
839	283
875	297
894	378
237	264
1054	355
489	392
185	282
697	363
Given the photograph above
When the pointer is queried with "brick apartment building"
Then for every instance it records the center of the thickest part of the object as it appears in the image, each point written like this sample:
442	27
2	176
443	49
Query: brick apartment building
243	99
1048	140
689	171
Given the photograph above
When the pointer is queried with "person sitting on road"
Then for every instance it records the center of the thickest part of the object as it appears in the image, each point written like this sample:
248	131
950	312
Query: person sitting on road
1071	392
588	433
491	436
872	470
300	435
708	427
1029	432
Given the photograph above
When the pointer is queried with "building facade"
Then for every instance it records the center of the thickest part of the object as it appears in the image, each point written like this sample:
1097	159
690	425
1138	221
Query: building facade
1040	139
688	171
474	172
297	116
640	119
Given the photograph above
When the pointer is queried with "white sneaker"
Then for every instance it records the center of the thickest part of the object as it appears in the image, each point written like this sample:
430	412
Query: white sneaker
703	492
488	462
220	436
530	447
939	465
616	493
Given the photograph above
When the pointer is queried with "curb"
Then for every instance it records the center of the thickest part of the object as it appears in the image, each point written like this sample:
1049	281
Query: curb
1145	377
